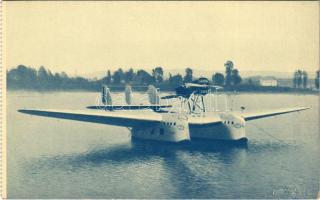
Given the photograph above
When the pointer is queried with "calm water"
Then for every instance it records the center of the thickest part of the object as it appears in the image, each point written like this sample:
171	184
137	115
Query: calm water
67	159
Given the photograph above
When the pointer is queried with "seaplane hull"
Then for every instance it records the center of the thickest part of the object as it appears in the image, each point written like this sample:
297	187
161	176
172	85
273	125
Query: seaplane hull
217	132
232	127
178	128
172	128
213	132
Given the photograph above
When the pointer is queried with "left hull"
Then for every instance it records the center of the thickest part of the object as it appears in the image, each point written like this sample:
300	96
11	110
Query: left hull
173	128
160	134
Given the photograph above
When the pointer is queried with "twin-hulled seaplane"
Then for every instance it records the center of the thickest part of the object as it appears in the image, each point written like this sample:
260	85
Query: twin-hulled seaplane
189	119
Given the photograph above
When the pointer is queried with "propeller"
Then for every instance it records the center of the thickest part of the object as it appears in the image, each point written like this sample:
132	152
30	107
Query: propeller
153	95
128	94
106	95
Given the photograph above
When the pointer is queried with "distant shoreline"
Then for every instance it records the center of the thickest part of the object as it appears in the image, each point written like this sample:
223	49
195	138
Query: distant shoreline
43	80
292	91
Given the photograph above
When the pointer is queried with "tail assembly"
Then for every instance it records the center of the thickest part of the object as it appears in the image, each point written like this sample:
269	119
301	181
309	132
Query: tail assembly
128	94
153	95
106	96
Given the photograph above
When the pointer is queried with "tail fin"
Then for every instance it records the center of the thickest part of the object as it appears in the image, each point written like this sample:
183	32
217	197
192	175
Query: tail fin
106	95
153	95
128	94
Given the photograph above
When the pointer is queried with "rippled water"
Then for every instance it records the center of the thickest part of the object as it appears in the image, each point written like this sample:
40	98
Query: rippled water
52	158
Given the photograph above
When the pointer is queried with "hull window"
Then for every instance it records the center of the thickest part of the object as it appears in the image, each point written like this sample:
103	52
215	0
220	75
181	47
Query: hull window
161	131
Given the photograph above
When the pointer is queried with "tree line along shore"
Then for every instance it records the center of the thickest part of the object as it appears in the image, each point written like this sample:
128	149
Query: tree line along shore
28	78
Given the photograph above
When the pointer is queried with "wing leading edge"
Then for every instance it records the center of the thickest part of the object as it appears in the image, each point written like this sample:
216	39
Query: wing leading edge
257	115
100	117
127	119
216	120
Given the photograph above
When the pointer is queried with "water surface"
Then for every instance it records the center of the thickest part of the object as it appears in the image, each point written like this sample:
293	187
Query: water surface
53	158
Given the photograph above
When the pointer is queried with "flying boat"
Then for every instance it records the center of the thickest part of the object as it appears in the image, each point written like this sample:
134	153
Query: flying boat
186	119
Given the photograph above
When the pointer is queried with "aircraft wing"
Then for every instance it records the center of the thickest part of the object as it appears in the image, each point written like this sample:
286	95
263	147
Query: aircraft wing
204	121
210	120
128	107
126	119
257	115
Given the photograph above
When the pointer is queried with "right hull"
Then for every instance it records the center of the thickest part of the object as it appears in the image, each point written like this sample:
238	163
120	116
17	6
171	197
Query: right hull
231	128
220	131
240	141
217	132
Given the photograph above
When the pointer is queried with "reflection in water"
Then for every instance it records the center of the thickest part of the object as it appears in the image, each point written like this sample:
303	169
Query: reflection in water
194	169
142	150
189	179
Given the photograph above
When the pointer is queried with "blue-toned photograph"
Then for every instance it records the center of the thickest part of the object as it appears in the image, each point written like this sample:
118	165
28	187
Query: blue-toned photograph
161	100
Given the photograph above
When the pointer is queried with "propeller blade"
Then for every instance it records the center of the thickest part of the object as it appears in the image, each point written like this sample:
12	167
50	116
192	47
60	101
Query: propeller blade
128	94
106	95
153	95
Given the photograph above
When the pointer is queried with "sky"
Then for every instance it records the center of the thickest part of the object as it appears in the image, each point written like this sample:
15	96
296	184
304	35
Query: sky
84	37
